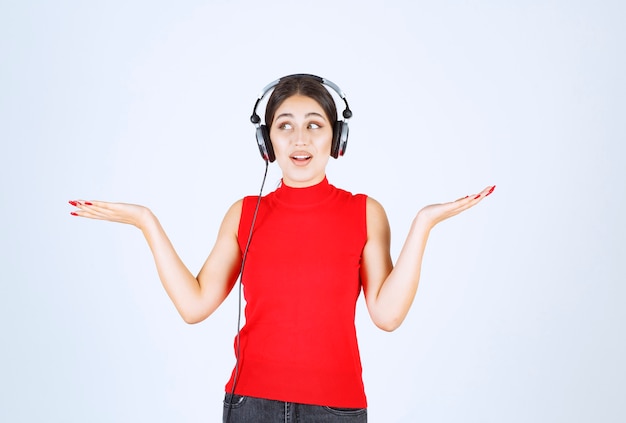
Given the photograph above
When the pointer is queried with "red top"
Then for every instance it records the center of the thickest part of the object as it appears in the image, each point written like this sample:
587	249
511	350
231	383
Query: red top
301	283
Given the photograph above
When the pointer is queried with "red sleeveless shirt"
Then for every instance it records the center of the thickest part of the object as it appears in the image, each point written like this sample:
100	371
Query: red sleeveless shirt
301	283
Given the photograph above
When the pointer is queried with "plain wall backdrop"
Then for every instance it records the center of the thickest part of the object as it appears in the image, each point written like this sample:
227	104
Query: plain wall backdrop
519	316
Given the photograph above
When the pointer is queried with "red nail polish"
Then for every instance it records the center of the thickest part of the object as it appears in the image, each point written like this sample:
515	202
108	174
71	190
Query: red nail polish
73	203
90	204
74	214
491	190
478	196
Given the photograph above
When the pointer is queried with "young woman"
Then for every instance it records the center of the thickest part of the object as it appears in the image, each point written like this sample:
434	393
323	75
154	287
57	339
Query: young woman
305	251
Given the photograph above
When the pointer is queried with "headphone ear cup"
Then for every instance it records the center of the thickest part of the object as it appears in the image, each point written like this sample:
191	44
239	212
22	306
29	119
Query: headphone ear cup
340	139
265	144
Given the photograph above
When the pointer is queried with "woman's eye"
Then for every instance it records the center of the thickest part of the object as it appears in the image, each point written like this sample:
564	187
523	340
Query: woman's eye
284	126
313	125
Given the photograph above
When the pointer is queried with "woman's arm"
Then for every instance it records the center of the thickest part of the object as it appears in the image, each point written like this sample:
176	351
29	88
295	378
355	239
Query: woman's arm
194	298
389	291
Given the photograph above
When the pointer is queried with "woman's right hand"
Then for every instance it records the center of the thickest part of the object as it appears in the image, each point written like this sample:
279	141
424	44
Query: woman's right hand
131	214
195	298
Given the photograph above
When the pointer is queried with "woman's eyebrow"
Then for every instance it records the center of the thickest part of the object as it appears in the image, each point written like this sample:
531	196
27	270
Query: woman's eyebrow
314	114
284	115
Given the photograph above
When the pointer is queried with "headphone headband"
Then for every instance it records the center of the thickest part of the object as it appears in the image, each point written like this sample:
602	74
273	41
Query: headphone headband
347	113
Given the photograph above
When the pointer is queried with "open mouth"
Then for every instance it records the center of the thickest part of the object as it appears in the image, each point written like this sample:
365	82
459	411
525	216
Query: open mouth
301	158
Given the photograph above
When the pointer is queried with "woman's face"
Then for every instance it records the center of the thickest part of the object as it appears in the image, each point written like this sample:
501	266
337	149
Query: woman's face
301	135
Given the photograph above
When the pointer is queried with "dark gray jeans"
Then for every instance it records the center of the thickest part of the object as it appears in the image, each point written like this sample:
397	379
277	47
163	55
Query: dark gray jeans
256	410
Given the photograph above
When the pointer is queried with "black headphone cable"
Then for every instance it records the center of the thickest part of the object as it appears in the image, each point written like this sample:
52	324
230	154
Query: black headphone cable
243	265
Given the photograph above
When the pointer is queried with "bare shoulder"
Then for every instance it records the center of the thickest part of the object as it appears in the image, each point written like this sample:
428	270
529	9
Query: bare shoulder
377	222
235	208
232	217
375	212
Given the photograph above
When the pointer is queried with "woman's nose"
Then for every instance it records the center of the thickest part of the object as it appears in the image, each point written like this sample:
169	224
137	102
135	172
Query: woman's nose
300	137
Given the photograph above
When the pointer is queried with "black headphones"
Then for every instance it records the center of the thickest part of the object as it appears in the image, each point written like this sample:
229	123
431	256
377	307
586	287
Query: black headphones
340	130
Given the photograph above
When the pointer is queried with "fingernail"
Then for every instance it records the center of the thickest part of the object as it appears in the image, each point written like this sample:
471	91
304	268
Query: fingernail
74	214
478	196
90	204
491	190
73	203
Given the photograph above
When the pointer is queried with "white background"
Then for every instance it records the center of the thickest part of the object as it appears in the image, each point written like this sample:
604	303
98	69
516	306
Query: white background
519	316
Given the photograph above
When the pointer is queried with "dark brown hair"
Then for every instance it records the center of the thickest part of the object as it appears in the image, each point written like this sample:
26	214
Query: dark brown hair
301	85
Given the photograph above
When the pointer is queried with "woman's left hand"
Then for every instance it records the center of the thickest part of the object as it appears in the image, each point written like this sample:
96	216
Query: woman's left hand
436	213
